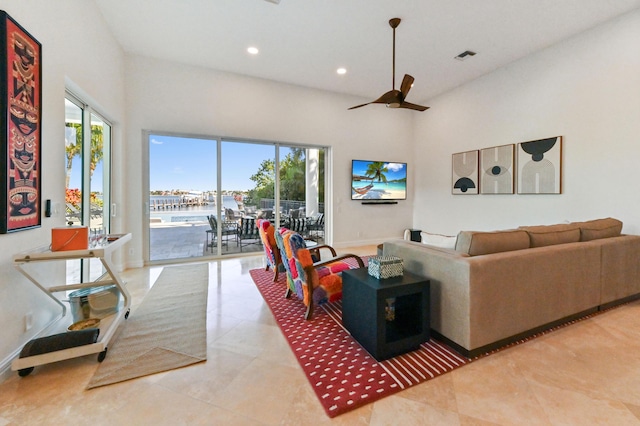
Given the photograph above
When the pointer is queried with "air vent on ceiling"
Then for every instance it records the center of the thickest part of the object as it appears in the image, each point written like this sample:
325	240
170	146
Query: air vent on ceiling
464	55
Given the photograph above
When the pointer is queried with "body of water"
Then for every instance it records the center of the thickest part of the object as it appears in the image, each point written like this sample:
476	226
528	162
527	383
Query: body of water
188	213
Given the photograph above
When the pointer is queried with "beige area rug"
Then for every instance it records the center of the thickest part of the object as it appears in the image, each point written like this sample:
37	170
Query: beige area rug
167	331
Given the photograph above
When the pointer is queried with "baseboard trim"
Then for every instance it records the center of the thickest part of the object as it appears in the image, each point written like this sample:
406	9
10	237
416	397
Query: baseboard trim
5	365
622	301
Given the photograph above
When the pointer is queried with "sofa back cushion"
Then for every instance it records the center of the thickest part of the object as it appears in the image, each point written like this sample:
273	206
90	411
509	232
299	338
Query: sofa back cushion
438	240
476	243
548	235
599	228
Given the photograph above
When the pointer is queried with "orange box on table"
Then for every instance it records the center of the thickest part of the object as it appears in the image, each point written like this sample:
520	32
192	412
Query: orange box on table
70	238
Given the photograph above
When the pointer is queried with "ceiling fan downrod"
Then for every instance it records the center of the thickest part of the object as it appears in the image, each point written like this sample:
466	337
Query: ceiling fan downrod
394	22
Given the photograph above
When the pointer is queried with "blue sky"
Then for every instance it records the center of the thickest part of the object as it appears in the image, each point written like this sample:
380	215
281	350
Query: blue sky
190	164
96	179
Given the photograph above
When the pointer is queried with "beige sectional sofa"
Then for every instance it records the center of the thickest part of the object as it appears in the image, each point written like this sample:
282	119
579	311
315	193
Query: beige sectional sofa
498	287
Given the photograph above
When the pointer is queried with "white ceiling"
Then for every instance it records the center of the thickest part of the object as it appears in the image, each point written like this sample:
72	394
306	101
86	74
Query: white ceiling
303	42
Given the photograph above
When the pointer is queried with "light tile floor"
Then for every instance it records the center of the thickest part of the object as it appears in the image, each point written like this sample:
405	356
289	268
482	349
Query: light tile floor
584	374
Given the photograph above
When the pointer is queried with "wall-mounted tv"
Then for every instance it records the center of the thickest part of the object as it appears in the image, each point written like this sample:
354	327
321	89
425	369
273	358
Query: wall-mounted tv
378	180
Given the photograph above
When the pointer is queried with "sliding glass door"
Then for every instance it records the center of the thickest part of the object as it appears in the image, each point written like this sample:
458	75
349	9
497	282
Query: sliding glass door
88	177
182	196
205	195
301	189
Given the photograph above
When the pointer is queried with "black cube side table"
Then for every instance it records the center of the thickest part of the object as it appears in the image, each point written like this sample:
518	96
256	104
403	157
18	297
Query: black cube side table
387	317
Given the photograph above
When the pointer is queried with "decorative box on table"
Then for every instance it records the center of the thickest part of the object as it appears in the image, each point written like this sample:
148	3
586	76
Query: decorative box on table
69	238
382	267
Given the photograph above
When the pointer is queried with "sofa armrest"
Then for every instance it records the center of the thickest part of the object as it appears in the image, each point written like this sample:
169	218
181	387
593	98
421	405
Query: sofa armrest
620	267
449	273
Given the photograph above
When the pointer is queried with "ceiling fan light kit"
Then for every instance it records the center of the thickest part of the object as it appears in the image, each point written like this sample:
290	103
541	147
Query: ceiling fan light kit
396	98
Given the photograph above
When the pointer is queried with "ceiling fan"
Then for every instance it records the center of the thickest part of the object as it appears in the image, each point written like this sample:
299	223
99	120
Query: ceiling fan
396	98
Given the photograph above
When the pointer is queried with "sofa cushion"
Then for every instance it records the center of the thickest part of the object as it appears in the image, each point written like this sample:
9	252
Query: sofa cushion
478	243
548	235
599	228
438	240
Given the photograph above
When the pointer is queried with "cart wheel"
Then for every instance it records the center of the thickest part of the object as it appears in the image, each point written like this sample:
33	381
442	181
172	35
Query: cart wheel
127	314
25	372
102	355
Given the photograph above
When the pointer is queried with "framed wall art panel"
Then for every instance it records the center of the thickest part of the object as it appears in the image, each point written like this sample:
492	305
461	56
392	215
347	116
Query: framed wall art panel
497	170
540	166
465	173
20	127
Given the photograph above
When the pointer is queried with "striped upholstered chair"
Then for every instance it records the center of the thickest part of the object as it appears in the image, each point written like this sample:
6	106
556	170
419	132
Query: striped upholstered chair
267	235
313	283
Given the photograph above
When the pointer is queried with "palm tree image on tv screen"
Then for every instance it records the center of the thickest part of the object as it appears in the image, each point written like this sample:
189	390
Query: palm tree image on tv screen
378	180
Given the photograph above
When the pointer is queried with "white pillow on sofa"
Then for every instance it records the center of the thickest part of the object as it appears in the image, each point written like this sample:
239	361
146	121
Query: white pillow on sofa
438	240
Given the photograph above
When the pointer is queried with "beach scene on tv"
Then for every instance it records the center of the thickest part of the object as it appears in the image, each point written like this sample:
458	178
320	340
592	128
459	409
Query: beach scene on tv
378	180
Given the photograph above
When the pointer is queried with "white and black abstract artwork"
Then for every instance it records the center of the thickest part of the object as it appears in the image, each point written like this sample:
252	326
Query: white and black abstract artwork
496	170
465	173
540	166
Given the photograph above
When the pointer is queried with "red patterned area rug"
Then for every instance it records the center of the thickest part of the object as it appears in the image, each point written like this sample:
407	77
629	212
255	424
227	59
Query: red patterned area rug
342	373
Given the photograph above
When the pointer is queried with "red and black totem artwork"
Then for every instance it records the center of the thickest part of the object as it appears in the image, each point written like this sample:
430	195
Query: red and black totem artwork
20	127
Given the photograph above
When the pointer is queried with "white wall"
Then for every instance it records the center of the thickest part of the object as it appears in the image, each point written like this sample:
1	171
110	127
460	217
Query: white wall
586	89
164	96
77	48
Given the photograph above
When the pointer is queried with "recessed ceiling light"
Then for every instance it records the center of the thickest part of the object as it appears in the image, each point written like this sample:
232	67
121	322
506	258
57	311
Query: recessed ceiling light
253	50
341	71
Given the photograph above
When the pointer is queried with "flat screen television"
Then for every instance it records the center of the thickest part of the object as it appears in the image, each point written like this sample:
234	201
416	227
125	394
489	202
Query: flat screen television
378	180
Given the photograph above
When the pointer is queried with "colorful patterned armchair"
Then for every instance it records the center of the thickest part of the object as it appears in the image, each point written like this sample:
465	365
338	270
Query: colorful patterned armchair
313	283
267	235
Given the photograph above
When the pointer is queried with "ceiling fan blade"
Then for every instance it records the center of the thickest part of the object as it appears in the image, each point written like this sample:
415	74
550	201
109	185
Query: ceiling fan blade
415	107
407	81
391	96
360	106
388	98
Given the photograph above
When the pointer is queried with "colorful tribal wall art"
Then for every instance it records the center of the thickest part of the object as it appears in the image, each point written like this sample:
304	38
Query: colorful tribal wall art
540	166
20	129
465	173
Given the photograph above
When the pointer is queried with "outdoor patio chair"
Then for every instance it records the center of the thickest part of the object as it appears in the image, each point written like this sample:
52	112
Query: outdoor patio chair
294	213
72	213
248	232
300	225
267	235
230	215
228	229
316	226
313	283
265	214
